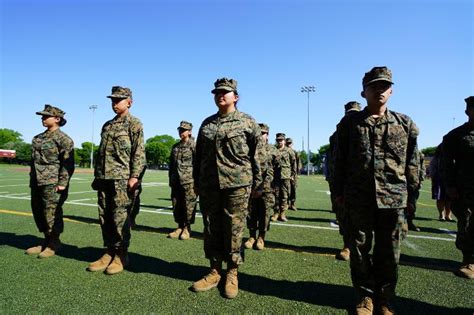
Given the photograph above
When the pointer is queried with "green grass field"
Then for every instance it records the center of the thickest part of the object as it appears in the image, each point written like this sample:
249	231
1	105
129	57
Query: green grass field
296	273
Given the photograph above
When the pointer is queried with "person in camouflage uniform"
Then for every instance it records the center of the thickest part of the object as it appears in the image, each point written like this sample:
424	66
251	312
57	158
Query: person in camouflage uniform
344	253
226	172
457	160
135	200
375	176
120	161
260	209
182	183
293	180
410	213
52	165
283	175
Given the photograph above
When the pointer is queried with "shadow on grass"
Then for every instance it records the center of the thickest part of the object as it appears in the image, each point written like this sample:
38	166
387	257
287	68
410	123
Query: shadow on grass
323	220
307	209
434	230
429	263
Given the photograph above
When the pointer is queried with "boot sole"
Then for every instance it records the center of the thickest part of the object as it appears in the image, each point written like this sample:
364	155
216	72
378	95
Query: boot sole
204	289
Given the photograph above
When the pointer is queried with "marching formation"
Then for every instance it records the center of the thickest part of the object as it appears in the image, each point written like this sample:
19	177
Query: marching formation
374	172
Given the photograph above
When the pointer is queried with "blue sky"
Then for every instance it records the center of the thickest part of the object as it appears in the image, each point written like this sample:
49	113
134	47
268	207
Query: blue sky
70	53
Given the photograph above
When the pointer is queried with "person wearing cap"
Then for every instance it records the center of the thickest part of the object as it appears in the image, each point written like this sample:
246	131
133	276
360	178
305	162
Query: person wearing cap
227	172
375	176
52	166
261	208
344	254
457	169
294	180
285	172
181	181
119	164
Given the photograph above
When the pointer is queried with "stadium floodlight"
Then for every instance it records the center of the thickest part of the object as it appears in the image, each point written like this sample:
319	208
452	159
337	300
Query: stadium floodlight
93	108
308	89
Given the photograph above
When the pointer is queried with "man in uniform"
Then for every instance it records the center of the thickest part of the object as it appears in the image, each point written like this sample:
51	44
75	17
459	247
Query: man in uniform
375	175
458	175
294	180
120	161
285	172
410	214
260	208
182	183
349	108
52	166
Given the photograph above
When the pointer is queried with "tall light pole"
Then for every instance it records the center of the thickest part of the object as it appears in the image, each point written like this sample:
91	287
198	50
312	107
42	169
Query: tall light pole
93	108
308	89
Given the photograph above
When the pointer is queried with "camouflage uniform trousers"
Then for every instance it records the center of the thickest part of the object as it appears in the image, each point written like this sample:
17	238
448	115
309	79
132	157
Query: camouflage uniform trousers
282	192
292	193
377	276
114	202
184	204
135	204
341	218
47	208
224	213
463	210
261	210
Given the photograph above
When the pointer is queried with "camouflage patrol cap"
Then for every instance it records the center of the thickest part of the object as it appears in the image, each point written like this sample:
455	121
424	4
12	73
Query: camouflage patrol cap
120	92
50	110
280	136
469	102
377	74
352	107
289	140
185	125
225	84
264	127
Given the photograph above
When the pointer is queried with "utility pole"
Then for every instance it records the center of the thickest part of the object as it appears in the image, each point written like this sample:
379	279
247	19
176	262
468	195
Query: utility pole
93	108
308	89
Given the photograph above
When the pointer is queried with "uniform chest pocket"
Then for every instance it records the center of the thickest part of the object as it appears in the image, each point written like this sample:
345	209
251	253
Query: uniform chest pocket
49	150
122	141
237	142
397	141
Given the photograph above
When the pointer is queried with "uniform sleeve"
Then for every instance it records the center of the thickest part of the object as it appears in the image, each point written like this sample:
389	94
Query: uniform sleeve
447	166
340	153
197	158
171	166
412	169
293	164
66	161
137	156
256	146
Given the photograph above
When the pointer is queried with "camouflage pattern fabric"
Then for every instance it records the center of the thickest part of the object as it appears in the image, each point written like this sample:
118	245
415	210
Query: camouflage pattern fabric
457	169
421	178
227	152
114	203
375	276
52	159
121	153
282	192
376	173
294	179
184	204
47	207
181	163
376	155
224	214
135	203
286	161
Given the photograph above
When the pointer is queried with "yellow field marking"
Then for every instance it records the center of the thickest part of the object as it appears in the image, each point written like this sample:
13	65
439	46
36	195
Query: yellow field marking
28	214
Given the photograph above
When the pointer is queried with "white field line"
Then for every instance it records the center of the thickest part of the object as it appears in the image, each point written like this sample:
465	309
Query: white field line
160	211
81	192
154	184
77	200
450	233
20	194
13	179
15	185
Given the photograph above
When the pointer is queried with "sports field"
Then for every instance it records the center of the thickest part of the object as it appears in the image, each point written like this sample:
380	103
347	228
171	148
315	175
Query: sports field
295	273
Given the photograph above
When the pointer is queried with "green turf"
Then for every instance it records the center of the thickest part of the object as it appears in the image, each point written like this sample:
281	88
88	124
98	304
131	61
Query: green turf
296	273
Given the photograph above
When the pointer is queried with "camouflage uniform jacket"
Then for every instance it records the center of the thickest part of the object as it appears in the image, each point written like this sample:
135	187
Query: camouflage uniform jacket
181	163
269	164
294	165
286	162
330	156
227	152
457	160
52	158
121	152
376	160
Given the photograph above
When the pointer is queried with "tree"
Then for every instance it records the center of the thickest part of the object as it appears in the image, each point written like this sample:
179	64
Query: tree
82	156
158	149
9	136
429	151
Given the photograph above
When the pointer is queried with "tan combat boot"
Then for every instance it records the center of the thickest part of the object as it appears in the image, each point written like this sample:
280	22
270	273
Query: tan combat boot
231	288
54	244
282	217
35	250
103	262
210	280
274	217
176	233
186	234
249	243
260	243
365	306
466	271
119	262
344	254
